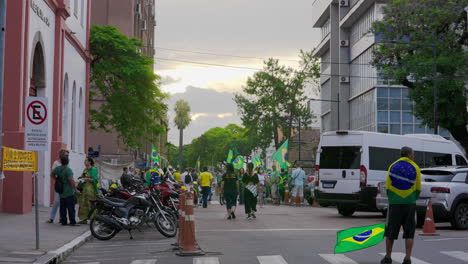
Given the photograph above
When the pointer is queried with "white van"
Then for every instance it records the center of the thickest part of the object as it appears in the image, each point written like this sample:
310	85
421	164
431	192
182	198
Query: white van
350	164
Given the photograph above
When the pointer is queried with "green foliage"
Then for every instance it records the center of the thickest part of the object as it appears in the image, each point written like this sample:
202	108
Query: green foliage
173	153
274	98
182	110
428	22
127	98
213	146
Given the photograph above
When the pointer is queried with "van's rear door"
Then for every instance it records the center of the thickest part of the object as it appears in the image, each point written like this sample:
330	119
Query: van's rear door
339	168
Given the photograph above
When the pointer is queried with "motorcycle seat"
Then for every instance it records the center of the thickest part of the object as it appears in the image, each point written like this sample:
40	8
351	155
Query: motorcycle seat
116	204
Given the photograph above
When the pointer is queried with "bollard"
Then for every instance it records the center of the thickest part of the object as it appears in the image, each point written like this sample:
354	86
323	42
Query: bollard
188	245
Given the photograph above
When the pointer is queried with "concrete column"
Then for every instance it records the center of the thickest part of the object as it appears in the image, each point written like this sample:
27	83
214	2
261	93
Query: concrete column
334	64
344	71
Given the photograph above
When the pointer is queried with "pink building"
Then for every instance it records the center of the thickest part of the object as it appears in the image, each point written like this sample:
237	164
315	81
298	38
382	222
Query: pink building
46	55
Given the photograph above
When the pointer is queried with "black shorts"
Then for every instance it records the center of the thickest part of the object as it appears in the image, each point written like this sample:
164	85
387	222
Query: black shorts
231	199
401	215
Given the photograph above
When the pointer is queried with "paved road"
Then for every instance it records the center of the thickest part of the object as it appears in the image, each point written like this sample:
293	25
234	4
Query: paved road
279	235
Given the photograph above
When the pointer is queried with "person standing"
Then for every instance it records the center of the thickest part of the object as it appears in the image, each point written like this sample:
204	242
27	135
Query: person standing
230	189
283	180
403	188
274	180
241	185
177	176
90	189
261	187
205	183
56	204
251	182
67	198
298	177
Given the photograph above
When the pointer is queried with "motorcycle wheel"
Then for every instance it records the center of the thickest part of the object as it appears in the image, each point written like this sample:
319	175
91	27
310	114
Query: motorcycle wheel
102	231
166	224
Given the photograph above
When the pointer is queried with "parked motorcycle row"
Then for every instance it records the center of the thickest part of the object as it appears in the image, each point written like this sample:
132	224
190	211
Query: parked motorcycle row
133	205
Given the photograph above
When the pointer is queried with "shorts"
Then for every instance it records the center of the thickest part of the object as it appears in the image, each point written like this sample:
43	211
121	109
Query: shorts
401	215
231	199
298	191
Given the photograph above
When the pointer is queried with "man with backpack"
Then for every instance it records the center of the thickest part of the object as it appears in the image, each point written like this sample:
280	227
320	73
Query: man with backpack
65	186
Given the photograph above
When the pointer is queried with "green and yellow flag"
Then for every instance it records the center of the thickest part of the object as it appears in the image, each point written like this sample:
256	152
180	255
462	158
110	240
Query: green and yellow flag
281	155
197	165
155	155
257	162
238	162
230	157
357	238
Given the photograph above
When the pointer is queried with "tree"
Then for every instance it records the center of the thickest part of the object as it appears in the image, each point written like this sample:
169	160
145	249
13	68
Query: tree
428	22
274	98
126	93
182	120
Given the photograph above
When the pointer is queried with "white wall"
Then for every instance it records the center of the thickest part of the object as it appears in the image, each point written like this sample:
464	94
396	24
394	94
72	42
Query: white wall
77	23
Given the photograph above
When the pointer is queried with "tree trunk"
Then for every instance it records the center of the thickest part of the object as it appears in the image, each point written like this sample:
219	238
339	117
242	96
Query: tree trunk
461	135
181	143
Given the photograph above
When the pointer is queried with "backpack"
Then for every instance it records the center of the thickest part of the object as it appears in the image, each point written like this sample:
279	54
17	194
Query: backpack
58	186
188	179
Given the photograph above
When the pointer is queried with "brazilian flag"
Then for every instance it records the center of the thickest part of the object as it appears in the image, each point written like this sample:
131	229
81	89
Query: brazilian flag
230	157
281	155
155	155
257	162
197	165
238	162
357	238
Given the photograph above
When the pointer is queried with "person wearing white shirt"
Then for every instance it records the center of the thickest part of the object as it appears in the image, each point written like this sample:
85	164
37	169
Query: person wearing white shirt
56	204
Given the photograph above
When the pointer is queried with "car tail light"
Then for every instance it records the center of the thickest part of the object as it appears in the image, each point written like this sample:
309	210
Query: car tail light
440	190
362	176
317	175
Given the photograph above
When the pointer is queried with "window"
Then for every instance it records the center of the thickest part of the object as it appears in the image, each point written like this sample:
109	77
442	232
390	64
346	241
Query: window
407	129
395	129
82	13
460	177
75	8
407	117
340	157
395	116
395	104
433	159
382	158
382	116
382	128
73	118
395	92
382	104
362	26
65	111
460	160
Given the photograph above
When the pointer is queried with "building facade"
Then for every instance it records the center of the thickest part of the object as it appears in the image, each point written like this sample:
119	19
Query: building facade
133	18
46	50
358	98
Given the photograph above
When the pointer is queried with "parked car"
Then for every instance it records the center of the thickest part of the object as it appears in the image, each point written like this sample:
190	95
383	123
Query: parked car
447	188
350	164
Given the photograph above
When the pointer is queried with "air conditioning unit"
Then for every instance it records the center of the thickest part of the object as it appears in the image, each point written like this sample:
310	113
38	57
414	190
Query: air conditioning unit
344	43
138	10
143	25
344	79
344	3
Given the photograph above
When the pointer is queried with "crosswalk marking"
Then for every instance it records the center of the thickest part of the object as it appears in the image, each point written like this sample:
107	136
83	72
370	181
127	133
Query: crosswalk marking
208	260
276	259
144	261
399	256
456	254
337	259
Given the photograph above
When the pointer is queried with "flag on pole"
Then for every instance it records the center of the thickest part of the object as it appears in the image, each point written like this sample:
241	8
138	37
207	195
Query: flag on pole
238	162
230	157
155	155
197	165
257	162
281	155
357	238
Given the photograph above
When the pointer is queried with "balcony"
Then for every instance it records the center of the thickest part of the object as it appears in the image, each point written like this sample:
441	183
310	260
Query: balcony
321	11
358	9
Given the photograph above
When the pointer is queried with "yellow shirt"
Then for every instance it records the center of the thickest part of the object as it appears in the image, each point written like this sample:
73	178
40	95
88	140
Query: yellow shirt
205	179
177	176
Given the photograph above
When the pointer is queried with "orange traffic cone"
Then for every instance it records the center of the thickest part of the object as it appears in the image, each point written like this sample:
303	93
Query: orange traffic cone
188	245
429	225
286	194
181	219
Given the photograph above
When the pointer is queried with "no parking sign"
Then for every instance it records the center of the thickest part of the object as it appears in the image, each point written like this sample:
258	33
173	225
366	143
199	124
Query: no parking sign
37	132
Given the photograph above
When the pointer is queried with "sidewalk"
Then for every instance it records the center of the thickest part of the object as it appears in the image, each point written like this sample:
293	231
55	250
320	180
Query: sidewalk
18	237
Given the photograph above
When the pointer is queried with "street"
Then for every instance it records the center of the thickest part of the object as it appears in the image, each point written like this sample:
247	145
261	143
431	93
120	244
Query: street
279	235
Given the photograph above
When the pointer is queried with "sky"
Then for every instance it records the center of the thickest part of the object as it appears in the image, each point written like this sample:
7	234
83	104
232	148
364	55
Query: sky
202	30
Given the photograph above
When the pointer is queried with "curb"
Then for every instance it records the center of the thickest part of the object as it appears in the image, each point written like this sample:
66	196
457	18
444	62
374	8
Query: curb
58	255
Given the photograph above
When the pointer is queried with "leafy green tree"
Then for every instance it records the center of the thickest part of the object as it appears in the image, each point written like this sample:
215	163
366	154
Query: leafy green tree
182	120
442	23
126	97
274	98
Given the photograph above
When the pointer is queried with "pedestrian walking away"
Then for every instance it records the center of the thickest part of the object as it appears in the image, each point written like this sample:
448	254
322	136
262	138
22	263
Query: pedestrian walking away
274	180
56	204
230	189
241	185
250	179
297	178
206	180
67	191
89	189
403	188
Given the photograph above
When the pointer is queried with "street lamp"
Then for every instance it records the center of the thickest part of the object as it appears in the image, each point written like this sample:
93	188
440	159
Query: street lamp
325	100
436	92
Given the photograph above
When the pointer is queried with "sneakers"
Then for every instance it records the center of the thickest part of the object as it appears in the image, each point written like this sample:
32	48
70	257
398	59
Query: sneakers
50	221
249	217
387	260
229	217
253	215
406	261
233	215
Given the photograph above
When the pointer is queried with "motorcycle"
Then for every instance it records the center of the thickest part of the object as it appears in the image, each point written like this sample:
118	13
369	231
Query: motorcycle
116	215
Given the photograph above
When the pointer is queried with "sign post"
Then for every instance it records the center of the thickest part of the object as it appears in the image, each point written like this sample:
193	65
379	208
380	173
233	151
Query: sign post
21	160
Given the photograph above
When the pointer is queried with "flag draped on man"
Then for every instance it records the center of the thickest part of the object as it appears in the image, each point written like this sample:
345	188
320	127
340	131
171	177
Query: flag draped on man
238	162
155	155
357	238
230	157
403	182
281	155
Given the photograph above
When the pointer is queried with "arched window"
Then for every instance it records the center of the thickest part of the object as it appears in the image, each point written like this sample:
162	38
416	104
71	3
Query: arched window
38	71
82	12
80	119
75	8
65	130
73	118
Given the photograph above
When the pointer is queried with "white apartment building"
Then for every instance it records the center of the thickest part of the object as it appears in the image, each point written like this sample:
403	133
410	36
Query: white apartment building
360	99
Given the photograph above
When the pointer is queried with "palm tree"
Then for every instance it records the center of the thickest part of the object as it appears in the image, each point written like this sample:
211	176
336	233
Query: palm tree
182	120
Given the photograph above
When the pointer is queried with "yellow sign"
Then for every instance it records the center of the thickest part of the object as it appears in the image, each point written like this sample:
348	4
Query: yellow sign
19	160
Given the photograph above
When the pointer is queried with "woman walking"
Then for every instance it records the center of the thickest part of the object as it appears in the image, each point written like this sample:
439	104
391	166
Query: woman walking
251	183
89	191
230	189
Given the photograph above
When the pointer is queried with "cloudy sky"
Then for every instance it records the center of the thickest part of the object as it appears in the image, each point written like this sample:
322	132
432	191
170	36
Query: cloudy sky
192	35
